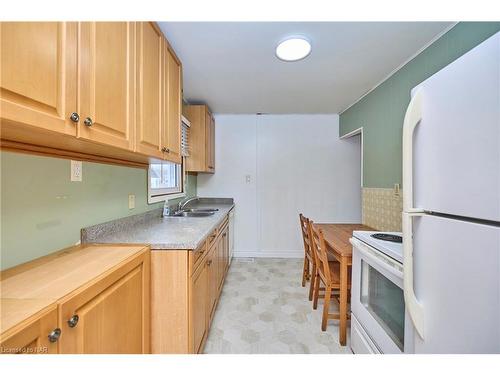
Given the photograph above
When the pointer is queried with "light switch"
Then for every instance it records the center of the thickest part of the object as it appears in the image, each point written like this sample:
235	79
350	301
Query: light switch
131	201
248	178
76	170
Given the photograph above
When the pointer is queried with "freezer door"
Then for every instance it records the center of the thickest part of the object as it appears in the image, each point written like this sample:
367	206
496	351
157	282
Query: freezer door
456	156
457	282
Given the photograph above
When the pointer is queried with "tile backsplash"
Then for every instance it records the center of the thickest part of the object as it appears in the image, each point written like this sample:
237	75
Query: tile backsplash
382	209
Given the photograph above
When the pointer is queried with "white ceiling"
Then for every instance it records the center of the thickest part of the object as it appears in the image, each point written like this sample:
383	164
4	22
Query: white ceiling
232	66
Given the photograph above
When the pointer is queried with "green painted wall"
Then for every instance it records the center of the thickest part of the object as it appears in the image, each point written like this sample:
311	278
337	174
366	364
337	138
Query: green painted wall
381	112
42	211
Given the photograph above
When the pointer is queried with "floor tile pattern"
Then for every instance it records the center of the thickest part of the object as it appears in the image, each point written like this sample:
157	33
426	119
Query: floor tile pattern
264	309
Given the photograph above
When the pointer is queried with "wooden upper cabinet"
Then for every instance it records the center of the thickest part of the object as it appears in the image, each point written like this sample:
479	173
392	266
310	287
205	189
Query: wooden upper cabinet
149	89
211	143
172	100
106	83
115	84
201	139
38	74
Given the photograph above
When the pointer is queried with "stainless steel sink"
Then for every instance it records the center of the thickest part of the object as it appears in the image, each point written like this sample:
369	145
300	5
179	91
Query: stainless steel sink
193	214
200	210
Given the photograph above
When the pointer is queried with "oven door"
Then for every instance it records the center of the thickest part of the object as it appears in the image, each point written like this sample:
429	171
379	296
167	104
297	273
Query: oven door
377	299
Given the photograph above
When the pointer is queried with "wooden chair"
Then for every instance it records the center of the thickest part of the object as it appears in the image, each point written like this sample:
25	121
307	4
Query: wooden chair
308	255
328	273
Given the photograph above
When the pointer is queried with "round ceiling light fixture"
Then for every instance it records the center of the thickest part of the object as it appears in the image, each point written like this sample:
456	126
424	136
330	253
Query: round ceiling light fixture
293	49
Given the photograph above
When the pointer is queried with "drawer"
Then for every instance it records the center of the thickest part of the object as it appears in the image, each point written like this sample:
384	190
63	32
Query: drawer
222	225
212	237
199	254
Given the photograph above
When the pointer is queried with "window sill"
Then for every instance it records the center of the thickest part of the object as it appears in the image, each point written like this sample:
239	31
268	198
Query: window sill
167	197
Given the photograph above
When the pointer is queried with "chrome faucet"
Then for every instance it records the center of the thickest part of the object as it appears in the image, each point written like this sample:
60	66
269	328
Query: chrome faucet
185	202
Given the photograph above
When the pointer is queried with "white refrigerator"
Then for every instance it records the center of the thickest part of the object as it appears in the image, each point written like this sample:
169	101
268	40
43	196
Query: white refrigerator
451	207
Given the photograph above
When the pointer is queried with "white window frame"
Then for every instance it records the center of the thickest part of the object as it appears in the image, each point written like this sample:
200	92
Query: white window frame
160	195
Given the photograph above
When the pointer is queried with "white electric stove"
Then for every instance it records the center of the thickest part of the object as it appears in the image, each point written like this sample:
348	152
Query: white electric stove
377	300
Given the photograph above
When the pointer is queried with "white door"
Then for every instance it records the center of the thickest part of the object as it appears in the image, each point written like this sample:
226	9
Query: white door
457	282
457	143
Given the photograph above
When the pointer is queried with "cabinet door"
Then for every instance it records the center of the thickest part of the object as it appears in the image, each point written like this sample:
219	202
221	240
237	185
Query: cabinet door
149	89
199	306
212	281
221	270
106	83
197	160
209	144
33	337
211	166
172	106
38	74
225	241
115	320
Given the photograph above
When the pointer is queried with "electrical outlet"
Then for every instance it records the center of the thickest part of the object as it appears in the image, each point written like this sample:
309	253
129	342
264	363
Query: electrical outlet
131	201
396	190
76	170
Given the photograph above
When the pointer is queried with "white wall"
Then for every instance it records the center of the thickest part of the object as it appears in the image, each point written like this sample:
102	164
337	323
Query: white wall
296	163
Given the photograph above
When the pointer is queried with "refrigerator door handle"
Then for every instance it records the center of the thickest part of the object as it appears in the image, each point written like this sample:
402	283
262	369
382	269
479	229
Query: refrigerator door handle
412	119
413	306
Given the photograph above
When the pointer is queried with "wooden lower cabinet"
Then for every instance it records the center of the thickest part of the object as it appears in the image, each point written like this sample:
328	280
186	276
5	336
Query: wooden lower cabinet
112	317
186	286
93	300
199	315
32	337
213	279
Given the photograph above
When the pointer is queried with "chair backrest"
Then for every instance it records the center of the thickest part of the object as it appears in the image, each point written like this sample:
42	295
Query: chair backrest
304	227
319	248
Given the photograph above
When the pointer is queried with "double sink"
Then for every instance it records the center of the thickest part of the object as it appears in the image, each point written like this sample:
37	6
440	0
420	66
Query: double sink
195	212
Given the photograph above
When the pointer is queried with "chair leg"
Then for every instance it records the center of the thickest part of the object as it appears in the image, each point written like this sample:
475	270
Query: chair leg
313	280
326	307
305	270
316	291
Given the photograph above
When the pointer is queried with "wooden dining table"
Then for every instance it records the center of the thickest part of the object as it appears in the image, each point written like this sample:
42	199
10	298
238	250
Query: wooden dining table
337	243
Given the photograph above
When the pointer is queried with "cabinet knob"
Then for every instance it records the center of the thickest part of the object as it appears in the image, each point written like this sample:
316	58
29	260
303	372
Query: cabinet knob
73	321
75	117
54	335
88	122
209	262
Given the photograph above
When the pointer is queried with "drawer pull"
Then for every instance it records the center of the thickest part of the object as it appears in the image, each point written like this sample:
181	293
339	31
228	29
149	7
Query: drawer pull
54	335
73	321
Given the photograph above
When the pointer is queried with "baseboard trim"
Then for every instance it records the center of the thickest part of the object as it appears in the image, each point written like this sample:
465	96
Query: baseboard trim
269	254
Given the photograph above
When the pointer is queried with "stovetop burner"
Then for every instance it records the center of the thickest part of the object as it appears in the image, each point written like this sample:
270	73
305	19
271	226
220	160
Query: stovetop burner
388	237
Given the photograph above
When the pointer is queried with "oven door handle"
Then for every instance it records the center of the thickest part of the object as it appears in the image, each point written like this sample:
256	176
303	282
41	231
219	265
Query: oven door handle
380	260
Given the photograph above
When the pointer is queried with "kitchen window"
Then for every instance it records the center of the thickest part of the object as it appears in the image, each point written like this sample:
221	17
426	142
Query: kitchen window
165	181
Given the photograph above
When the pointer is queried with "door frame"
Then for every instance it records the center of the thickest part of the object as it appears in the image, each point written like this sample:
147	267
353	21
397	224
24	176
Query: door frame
358	131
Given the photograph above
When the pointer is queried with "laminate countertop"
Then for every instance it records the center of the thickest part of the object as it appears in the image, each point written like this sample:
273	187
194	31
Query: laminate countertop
161	233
